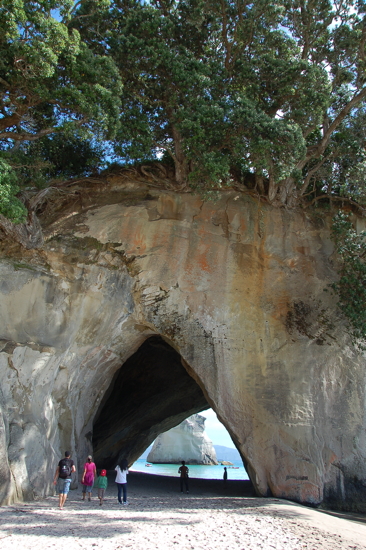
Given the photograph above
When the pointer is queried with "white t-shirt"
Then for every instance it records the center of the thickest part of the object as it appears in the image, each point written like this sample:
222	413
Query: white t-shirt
121	475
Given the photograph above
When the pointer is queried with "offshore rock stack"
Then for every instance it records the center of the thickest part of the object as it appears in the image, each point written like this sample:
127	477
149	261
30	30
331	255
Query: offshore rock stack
187	441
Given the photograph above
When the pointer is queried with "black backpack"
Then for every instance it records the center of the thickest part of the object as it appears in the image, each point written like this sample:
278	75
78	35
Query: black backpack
65	468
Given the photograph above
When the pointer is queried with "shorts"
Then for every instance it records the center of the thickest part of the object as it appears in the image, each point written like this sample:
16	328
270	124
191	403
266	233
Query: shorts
87	488
63	486
101	493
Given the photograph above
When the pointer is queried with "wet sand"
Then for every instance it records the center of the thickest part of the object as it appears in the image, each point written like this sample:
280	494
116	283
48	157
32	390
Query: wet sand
211	517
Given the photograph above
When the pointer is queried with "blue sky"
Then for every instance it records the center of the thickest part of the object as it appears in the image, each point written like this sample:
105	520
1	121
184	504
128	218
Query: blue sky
215	430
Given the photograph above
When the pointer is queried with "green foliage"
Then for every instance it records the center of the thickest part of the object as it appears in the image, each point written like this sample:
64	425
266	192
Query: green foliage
274	87
274	90
351	287
10	206
205	96
342	169
55	90
49	77
57	157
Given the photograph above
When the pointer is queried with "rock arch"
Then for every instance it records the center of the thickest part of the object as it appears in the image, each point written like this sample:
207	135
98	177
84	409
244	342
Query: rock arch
235	287
151	393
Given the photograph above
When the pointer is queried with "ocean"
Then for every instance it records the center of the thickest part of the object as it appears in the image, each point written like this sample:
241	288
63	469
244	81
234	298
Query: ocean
237	471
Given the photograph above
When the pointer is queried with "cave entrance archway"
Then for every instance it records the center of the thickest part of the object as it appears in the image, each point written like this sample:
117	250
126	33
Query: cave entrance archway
151	393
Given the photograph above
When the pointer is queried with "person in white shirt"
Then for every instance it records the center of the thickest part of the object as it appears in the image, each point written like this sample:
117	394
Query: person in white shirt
121	481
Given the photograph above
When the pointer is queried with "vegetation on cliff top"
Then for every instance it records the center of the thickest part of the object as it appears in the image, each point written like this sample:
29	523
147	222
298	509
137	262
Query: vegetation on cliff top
269	95
56	94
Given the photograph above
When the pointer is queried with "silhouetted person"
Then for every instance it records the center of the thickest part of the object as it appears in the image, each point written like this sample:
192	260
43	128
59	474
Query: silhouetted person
225	475
183	471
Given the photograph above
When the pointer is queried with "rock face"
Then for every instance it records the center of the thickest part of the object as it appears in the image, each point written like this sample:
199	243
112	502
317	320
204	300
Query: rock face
144	306
187	441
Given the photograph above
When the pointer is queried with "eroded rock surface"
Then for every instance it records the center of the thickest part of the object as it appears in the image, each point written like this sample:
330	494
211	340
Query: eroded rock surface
187	441
236	288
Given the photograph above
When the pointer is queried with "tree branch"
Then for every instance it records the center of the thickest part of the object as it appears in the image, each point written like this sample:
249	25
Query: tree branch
311	173
316	151
9	121
336	198
26	136
5	82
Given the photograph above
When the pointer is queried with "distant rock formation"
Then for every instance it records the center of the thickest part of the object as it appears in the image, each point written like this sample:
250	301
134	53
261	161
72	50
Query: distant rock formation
226	454
187	441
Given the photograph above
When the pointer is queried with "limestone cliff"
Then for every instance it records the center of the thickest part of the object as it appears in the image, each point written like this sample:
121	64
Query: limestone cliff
187	441
144	306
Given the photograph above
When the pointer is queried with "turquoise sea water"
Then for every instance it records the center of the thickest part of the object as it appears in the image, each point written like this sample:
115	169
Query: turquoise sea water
203	472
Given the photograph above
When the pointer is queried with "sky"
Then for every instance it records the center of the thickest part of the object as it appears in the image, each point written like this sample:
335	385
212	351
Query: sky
215	430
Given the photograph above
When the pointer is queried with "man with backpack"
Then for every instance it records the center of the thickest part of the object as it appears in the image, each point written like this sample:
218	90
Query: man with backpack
63	473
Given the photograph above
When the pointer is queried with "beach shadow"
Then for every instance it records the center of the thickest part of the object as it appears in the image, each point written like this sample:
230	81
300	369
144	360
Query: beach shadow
147	494
55	523
234	495
350	516
156	484
86	520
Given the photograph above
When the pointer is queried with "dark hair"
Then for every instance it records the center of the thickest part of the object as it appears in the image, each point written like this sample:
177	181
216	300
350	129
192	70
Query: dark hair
67	454
124	464
183	463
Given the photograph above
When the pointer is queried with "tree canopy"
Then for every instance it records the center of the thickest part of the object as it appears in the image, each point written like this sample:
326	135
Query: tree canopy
240	90
50	83
266	95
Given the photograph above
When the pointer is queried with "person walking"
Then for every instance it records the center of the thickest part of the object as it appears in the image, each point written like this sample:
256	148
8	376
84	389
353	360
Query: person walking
121	481
63	476
88	477
225	475
183	471
101	484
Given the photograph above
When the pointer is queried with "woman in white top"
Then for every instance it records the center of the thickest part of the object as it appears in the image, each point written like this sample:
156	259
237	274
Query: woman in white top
121	481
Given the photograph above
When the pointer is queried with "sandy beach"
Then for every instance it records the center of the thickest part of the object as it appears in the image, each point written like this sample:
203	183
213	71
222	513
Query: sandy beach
211	516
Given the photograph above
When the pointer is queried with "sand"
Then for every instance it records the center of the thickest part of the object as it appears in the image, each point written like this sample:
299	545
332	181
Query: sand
211	516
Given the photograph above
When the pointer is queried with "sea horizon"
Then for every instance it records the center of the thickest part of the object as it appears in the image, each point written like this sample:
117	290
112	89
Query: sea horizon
198	471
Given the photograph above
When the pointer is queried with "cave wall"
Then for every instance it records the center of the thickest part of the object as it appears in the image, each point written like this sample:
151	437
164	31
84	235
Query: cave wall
236	287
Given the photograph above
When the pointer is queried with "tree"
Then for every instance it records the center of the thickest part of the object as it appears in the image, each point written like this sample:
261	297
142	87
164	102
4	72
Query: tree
10	206
226	87
188	71
266	95
49	77
50	81
55	158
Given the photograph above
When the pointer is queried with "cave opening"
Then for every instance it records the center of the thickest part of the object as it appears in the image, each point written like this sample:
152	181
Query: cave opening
151	393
